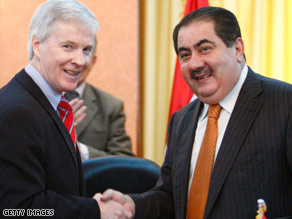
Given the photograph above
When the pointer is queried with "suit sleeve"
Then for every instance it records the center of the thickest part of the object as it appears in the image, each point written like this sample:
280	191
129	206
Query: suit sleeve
23	172
158	202
118	142
289	140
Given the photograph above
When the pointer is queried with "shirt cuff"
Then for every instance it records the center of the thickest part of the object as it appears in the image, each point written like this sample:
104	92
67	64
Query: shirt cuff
84	152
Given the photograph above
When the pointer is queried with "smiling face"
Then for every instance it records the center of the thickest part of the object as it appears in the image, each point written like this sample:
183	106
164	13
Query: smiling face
64	56
209	67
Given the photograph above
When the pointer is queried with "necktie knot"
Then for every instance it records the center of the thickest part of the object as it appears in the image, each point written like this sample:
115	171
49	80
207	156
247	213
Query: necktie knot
64	105
71	95
214	111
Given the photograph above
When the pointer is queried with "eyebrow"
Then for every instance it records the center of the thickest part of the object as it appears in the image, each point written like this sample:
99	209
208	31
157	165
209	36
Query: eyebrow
68	41
196	45
75	43
183	49
203	41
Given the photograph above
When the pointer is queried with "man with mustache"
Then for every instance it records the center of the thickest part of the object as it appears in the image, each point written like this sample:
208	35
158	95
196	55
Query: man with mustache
232	145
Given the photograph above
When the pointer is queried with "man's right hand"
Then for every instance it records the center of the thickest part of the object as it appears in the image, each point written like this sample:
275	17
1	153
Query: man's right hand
110	208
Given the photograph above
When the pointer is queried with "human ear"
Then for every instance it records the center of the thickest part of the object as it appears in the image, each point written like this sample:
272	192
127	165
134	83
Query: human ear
94	58
239	47
35	46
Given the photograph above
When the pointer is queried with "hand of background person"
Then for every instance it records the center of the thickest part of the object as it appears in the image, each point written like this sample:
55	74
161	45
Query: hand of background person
125	200
78	110
110	209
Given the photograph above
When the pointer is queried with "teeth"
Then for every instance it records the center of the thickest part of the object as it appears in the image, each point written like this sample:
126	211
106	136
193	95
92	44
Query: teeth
72	72
203	76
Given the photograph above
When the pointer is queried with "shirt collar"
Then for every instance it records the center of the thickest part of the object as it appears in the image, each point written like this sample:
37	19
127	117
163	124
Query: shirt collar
51	94
80	89
229	101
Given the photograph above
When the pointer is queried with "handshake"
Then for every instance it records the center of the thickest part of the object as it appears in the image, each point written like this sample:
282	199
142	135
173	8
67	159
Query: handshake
115	205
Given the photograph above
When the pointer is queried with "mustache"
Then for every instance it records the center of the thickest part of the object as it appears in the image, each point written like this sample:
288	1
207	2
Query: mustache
203	70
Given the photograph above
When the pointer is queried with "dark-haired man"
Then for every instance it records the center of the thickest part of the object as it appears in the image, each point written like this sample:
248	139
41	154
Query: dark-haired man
233	144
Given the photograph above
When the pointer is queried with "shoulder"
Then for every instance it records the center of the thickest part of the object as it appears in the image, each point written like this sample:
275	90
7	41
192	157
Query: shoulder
272	92
186	113
103	97
266	88
188	108
269	83
15	98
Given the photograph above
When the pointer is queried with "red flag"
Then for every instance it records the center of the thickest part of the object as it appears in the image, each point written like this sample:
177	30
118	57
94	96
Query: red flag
181	93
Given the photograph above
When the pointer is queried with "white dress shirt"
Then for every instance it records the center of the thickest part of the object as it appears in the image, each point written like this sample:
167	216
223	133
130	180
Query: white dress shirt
227	105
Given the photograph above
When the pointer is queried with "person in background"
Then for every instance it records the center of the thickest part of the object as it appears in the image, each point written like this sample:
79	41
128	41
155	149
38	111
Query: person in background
41	172
233	144
101	130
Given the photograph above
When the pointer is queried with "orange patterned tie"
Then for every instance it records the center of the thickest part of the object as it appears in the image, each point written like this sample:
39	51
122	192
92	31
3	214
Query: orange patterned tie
201	180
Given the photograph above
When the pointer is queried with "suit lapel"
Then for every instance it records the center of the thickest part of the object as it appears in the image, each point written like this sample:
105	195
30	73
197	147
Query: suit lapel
90	101
80	172
183	153
35	91
246	108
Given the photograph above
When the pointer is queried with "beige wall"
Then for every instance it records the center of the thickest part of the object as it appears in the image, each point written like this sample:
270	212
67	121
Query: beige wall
116	70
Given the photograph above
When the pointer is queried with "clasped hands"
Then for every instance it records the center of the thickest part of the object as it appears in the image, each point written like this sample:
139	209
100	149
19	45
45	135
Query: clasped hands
115	205
112	204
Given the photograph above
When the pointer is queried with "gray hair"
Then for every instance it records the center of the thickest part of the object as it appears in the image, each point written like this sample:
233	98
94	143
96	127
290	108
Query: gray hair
58	10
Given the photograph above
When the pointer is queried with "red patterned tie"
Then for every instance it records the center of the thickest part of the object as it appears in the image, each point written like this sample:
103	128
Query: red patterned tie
202	175
66	116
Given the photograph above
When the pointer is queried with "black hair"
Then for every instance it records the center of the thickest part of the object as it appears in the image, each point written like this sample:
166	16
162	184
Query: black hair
225	23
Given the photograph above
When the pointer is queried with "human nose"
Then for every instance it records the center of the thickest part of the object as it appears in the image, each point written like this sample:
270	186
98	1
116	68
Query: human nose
196	62
79	58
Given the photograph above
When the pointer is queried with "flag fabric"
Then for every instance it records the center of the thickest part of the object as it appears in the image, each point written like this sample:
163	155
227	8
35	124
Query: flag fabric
181	93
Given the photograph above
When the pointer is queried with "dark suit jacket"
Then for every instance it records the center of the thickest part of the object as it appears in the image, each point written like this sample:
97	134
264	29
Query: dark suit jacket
254	160
39	168
103	129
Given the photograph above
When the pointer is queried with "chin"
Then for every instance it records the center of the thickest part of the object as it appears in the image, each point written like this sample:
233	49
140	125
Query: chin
209	97
69	88
208	100
207	91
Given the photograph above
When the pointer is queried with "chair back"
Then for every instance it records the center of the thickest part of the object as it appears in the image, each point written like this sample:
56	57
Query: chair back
126	174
